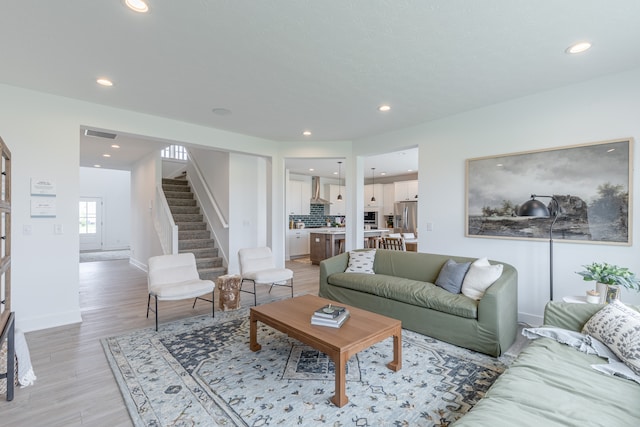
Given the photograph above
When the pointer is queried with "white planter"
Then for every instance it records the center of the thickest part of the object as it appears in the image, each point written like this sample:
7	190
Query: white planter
602	290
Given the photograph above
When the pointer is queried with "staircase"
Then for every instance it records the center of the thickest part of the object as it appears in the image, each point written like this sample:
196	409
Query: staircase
193	235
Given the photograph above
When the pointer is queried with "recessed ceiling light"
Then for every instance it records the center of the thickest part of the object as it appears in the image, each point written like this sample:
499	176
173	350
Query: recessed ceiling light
137	5
115	146
106	155
578	47
311	169
383	173
610	150
335	173
409	170
97	166
104	82
384	108
307	133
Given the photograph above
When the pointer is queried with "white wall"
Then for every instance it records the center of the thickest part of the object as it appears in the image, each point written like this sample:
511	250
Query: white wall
214	166
146	175
114	188
172	168
599	110
248	211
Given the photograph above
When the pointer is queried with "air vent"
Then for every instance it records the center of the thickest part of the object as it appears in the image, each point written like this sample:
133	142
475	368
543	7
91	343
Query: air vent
99	134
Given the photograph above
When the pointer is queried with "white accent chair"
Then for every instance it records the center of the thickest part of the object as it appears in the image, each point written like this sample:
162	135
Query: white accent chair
258	266
175	277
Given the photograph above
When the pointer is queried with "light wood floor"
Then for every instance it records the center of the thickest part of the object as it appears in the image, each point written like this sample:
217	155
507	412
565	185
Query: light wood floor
75	386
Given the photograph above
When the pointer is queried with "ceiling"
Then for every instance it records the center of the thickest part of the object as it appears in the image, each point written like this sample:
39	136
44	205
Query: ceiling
278	68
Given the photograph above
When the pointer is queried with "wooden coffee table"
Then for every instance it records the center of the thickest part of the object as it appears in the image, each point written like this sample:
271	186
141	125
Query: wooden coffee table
362	330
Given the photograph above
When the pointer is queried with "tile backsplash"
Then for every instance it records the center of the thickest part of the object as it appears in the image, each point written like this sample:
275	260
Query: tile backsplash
317	217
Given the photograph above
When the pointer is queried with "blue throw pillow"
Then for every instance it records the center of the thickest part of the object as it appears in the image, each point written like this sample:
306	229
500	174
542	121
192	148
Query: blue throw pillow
451	276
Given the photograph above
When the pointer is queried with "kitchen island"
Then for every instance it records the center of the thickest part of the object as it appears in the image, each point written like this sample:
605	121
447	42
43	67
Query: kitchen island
325	243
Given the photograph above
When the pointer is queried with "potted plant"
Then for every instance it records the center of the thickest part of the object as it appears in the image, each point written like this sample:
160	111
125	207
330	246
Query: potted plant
610	277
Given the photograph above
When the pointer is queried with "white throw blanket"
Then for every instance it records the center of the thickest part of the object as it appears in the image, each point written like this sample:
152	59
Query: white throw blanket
26	376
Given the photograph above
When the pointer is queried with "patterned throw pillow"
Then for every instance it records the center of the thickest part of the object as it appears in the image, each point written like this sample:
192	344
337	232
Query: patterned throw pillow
480	276
618	327
361	262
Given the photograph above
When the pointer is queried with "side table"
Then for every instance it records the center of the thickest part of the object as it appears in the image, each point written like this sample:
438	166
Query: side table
229	291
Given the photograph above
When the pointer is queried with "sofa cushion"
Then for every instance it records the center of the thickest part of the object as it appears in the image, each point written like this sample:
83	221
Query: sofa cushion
414	292
361	261
451	276
480	276
553	384
618	327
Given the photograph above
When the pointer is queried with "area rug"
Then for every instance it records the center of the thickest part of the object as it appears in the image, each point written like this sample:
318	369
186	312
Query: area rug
200	372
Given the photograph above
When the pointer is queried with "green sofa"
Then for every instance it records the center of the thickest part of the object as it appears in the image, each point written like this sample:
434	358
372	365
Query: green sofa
403	288
552	384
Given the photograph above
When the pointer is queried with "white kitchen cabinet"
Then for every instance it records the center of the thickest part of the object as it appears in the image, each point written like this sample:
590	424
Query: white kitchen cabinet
299	197
389	199
298	241
375	190
405	190
337	207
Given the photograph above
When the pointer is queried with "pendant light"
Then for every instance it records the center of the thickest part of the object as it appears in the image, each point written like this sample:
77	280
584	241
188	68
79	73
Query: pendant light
339	181
373	182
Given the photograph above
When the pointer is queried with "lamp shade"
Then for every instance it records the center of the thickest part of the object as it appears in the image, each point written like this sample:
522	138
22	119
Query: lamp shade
534	207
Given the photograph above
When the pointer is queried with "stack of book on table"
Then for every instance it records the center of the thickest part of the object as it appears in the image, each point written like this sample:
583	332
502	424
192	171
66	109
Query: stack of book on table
330	315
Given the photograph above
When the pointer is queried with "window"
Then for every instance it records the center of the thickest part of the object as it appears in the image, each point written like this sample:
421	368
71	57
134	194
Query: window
177	152
88	217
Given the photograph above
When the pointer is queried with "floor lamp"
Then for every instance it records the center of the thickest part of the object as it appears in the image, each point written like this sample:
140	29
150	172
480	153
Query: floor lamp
536	208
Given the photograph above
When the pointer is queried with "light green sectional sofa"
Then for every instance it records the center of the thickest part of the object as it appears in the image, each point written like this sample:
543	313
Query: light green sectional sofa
552	384
403	288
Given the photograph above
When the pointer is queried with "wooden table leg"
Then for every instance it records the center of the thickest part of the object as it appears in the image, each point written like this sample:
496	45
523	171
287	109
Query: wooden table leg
253	332
340	397
396	364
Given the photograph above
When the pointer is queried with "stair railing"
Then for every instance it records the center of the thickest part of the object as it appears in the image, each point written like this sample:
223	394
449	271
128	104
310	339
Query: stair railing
219	226
165	225
207	191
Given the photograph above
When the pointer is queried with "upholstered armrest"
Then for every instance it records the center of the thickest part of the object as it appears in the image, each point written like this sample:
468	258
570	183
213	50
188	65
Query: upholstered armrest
336	264
571	316
498	308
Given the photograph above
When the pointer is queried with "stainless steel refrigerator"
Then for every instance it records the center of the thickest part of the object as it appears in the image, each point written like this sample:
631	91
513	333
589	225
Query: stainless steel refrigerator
405	217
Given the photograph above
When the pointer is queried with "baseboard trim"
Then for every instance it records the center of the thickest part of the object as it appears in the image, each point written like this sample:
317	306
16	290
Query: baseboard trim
530	319
49	321
138	264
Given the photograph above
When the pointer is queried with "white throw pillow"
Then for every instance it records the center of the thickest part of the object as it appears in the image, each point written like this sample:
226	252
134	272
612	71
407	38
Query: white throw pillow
480	276
361	262
618	327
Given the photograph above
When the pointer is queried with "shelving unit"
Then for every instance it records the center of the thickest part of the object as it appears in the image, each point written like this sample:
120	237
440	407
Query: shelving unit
7	317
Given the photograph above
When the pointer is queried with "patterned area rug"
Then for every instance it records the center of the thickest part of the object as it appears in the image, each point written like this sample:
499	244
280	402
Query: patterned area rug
200	371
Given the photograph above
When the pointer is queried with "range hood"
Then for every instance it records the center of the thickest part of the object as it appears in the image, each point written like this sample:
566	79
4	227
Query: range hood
315	192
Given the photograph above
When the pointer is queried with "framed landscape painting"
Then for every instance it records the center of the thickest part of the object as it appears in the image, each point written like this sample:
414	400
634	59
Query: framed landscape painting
591	182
